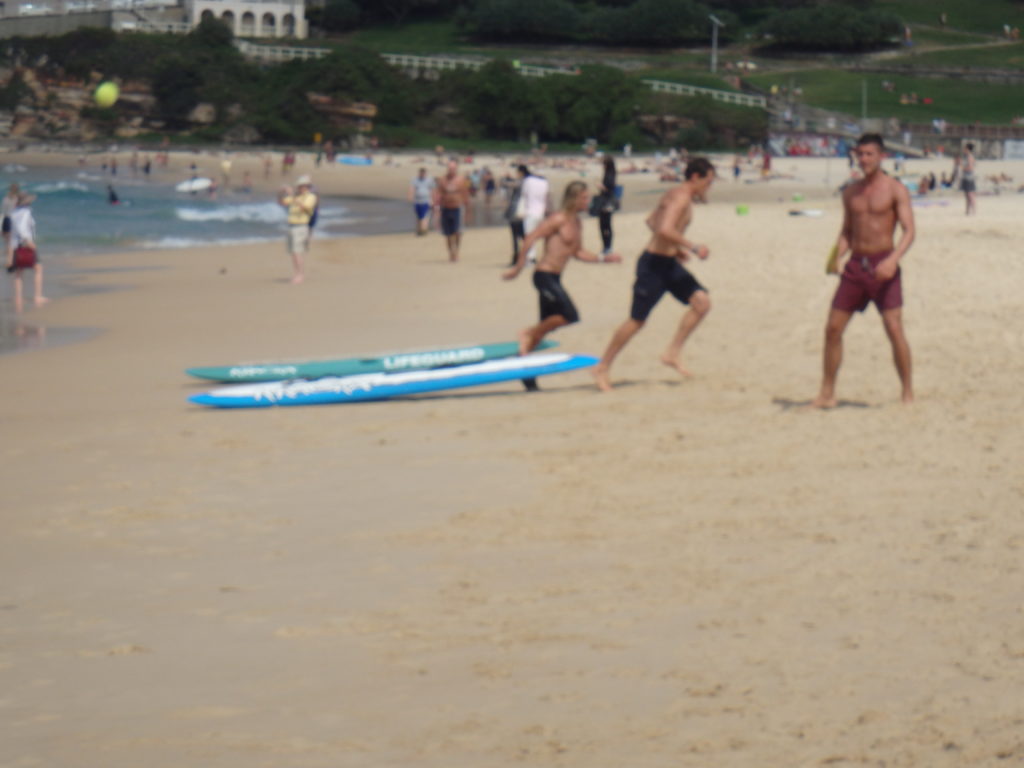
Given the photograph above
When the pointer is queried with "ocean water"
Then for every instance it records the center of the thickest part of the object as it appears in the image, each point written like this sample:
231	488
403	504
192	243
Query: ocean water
74	219
74	216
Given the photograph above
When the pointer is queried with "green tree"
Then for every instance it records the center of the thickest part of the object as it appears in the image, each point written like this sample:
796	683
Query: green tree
498	99
594	103
524	19
650	22
337	15
176	87
832	27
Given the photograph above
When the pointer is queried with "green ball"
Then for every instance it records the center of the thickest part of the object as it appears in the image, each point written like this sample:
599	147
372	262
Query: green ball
742	210
106	94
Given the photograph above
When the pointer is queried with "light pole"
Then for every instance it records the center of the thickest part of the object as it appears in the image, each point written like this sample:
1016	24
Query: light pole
715	24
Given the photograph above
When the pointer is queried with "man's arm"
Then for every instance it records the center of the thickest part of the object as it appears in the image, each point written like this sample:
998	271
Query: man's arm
845	234
596	258
905	216
543	230
886	269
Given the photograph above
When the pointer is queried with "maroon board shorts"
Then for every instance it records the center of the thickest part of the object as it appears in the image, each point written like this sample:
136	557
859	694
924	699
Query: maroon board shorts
858	286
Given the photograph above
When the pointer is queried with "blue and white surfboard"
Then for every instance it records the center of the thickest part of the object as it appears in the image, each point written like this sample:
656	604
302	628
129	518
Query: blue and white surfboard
382	386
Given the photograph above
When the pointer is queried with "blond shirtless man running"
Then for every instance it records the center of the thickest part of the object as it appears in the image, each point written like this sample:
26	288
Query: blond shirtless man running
451	194
872	207
563	239
660	269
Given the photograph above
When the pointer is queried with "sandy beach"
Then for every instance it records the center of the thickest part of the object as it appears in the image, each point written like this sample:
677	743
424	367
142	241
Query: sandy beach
678	573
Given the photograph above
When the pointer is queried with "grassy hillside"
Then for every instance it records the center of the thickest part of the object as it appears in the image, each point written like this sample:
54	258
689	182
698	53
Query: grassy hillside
1009	56
954	100
984	16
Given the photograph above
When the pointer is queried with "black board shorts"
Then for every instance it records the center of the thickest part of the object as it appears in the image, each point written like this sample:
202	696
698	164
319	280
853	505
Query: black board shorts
451	221
656	274
7	224
553	298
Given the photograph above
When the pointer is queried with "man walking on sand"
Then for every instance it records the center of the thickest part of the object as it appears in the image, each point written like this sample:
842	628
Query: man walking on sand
301	206
563	239
421	195
451	194
872	206
661	269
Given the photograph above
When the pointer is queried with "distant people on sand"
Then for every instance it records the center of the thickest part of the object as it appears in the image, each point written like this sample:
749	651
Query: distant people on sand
451	195
872	207
661	269
607	203
563	239
421	195
968	182
301	205
534	196
22	253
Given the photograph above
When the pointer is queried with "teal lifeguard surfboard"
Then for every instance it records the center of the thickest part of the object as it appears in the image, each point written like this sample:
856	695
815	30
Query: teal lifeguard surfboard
354	366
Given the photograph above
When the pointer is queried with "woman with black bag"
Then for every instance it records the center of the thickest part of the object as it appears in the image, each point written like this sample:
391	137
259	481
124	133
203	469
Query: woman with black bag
608	203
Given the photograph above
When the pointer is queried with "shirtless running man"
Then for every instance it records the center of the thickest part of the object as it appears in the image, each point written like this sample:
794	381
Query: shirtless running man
872	207
451	194
660	269
563	239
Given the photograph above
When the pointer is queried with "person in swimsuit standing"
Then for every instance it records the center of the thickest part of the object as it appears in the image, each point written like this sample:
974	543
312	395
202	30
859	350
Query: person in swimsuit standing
563	239
661	269
968	182
451	193
872	207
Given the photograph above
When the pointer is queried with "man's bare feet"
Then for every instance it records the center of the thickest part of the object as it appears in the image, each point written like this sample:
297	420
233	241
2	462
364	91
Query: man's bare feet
676	363
602	379
40	300
298	279
908	398
525	341
823	402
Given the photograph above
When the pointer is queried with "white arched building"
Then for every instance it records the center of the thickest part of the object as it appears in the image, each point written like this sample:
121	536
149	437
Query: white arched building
254	18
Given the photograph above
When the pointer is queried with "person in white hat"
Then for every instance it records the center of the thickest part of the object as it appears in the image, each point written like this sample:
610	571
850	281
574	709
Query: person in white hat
301	204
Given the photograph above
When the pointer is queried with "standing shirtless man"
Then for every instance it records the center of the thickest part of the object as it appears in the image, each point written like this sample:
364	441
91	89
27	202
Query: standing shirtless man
661	269
451	194
872	207
563	239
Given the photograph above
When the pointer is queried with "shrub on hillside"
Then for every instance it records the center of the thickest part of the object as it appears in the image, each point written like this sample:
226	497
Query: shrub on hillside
523	19
836	27
650	22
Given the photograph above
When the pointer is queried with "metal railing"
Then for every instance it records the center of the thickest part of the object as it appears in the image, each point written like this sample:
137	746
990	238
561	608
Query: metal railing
278	53
275	53
158	27
729	97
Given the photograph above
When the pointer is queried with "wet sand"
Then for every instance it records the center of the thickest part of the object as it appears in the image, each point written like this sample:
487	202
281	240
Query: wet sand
696	573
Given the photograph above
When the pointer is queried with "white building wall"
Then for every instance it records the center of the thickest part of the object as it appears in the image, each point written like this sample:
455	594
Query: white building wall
254	18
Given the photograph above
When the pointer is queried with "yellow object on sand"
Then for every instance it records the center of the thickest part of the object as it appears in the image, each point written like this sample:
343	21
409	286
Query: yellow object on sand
106	94
832	265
